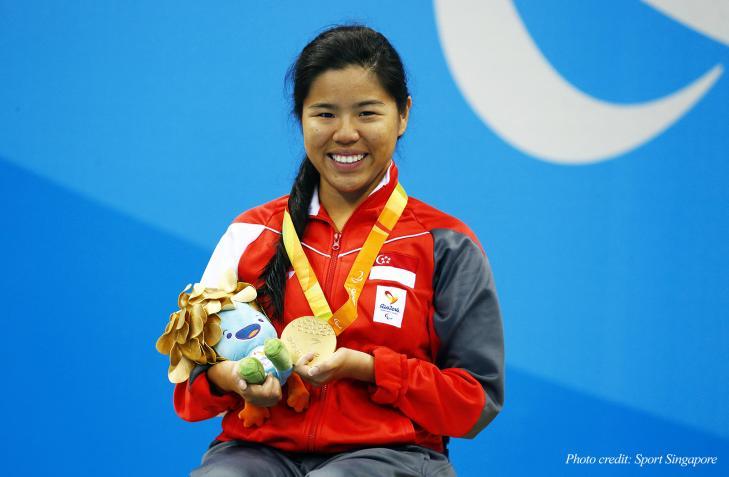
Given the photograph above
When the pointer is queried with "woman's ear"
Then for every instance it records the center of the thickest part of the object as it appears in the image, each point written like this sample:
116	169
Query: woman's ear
404	116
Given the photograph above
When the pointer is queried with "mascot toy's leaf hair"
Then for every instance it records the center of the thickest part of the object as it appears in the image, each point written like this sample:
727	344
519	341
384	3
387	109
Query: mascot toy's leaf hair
226	323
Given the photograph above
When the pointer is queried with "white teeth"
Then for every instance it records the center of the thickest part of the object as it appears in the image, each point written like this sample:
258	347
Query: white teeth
347	159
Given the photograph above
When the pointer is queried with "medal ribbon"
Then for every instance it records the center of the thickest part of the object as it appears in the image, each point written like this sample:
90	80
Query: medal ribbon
359	272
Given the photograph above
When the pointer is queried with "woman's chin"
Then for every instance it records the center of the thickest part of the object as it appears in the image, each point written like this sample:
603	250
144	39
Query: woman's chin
350	190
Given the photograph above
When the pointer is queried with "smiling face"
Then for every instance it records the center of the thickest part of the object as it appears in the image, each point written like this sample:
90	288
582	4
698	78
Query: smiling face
350	126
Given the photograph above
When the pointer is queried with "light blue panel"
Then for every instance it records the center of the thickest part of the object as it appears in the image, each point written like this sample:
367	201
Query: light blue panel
173	113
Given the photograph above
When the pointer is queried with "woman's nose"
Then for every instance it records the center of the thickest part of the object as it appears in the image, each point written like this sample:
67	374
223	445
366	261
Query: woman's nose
346	133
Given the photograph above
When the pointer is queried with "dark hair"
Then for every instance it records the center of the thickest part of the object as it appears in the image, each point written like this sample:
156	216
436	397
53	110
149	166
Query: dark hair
334	49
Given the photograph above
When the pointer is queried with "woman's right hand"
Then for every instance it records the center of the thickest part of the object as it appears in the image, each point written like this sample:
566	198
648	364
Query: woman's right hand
225	376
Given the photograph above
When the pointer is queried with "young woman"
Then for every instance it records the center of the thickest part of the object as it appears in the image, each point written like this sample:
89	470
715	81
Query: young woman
422	358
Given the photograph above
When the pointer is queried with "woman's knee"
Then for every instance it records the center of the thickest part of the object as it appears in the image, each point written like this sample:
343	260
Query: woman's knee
243	460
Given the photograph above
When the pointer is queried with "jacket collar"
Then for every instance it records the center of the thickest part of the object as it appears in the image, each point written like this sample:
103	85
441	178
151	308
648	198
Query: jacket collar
376	200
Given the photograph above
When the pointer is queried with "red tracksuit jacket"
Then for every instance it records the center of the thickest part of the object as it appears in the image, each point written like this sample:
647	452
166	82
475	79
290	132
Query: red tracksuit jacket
428	314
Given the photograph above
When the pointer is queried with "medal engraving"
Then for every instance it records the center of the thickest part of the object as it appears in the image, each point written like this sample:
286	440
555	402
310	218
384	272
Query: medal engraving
307	334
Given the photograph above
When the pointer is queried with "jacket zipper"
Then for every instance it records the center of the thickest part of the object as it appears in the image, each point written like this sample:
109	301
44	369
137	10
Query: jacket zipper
328	286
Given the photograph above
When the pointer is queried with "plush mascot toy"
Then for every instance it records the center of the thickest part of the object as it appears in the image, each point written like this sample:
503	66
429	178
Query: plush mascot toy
226	323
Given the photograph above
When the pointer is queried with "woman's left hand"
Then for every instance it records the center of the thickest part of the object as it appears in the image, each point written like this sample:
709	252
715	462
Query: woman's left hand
344	363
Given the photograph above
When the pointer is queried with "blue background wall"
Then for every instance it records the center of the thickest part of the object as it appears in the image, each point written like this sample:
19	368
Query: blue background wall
131	133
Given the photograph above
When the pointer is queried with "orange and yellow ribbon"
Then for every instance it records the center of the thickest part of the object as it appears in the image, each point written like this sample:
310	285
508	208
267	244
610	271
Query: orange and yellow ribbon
359	272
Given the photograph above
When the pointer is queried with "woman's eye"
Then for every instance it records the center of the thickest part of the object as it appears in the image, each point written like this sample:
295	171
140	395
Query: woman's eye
367	113
325	115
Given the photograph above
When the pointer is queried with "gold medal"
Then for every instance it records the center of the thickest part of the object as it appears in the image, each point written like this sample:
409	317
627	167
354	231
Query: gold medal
308	334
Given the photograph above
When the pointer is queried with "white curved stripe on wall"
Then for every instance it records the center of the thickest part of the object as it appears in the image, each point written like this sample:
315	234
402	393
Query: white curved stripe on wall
513	88
710	17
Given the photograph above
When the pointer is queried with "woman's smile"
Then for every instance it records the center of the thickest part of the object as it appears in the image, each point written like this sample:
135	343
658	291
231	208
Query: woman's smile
347	162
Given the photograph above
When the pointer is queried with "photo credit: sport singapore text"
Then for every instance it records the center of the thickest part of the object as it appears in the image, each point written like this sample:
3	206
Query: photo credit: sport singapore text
641	460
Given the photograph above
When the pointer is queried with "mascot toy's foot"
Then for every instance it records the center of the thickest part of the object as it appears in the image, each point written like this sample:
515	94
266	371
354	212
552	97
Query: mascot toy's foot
298	395
253	415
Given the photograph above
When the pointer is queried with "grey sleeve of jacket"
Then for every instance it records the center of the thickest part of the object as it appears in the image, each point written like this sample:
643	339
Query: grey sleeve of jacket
467	317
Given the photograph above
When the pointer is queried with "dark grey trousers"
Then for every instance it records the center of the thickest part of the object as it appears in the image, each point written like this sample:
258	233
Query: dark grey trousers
243	459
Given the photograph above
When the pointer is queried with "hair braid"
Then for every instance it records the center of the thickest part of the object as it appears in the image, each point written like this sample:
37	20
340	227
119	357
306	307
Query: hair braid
274	275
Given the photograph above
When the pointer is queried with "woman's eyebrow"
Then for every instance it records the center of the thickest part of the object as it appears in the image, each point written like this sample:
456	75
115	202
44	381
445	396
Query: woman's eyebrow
322	105
369	102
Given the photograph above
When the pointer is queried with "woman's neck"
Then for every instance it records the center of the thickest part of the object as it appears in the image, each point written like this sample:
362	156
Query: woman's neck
341	205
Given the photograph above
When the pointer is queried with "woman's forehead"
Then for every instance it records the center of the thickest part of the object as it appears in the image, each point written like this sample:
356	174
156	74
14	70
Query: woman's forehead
351	86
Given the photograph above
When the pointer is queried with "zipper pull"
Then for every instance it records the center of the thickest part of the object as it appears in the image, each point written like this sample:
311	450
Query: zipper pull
335	245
